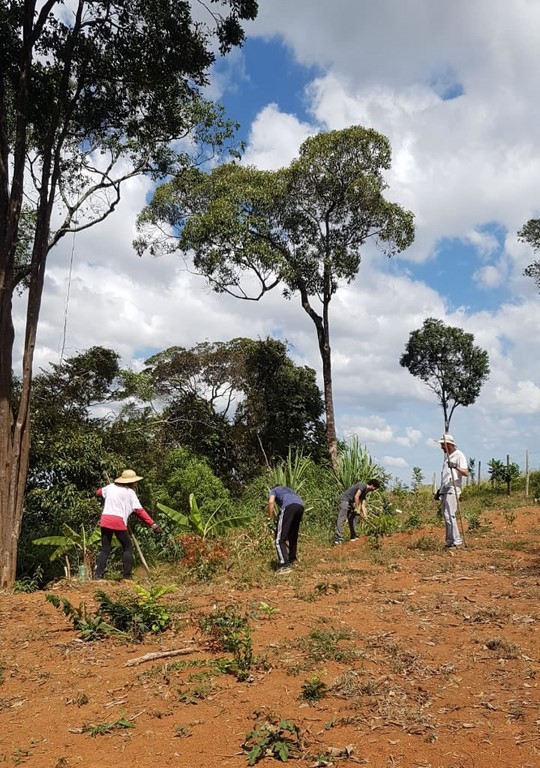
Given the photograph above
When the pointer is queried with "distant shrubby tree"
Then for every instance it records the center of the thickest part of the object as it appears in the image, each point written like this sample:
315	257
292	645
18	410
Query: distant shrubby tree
183	474
417	478
447	361
238	403
501	472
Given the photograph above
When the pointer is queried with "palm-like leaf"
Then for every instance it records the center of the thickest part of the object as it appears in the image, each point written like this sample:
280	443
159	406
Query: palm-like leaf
355	465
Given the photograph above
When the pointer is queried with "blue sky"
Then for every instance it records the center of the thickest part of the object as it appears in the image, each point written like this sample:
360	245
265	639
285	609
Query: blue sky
455	88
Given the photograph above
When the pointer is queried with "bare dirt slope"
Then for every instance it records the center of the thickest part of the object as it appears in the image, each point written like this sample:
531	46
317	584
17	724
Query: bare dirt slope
429	659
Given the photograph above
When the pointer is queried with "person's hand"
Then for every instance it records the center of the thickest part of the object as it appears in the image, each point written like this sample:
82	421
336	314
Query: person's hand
453	465
157	529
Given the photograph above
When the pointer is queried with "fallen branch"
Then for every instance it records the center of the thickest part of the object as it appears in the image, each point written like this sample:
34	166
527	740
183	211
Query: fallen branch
158	655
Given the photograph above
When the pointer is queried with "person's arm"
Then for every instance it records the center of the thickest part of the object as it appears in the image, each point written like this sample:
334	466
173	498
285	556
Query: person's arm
458	466
360	504
99	493
145	517
270	507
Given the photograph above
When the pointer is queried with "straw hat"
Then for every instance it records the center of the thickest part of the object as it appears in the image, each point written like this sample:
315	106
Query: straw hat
446	439
128	476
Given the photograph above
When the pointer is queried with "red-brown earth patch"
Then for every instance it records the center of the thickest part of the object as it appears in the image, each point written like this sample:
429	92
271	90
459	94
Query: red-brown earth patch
430	658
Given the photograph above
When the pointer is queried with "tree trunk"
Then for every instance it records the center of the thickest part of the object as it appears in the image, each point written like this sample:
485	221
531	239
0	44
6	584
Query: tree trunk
323	338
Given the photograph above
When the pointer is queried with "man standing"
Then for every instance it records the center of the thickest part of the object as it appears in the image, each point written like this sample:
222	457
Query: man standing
287	524
454	470
352	506
120	501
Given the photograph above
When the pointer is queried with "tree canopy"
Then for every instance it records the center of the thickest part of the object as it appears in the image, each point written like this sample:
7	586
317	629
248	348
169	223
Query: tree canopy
302	227
447	361
530	233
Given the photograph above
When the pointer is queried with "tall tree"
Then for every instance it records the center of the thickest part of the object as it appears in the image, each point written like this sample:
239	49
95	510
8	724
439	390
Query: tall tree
92	92
530	234
302	226
447	361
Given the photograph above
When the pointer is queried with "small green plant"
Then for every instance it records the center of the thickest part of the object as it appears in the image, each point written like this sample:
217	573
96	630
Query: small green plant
227	631
29	584
323	645
313	689
272	737
137	614
182	732
425	544
266	609
473	516
91	626
375	526
103	728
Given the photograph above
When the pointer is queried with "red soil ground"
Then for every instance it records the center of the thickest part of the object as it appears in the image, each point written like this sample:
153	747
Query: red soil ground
429	659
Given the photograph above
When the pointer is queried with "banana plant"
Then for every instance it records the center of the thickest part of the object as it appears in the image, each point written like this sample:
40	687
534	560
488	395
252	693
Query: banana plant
71	542
194	522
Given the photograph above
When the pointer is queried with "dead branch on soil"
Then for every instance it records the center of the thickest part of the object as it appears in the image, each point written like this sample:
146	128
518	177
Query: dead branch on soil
158	655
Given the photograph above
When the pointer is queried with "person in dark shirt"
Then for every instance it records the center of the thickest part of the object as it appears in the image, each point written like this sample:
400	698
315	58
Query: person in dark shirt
352	506
287	524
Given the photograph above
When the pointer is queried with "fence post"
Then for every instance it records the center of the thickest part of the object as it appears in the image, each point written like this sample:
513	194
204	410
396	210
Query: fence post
508	474
478	475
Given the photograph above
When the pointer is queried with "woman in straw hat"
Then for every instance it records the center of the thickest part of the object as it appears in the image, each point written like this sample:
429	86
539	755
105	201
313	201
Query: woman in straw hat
120	501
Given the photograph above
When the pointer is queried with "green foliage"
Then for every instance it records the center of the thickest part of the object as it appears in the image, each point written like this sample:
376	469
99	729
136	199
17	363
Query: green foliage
132	616
103	728
90	625
324	645
215	524
91	91
356	465
291	472
313	689
272	737
501	472
138	614
71	542
228	631
417	479
246	400
379	523
183	474
302	227
447	361
530	234
29	584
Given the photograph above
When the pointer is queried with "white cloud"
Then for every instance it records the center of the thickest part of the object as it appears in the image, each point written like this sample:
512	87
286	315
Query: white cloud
394	462
274	139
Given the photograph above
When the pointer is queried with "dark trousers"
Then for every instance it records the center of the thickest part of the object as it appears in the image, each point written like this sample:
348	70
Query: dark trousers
286	535
106	545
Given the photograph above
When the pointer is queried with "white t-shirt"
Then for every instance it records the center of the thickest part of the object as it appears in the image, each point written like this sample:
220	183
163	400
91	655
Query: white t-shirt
120	501
447	484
